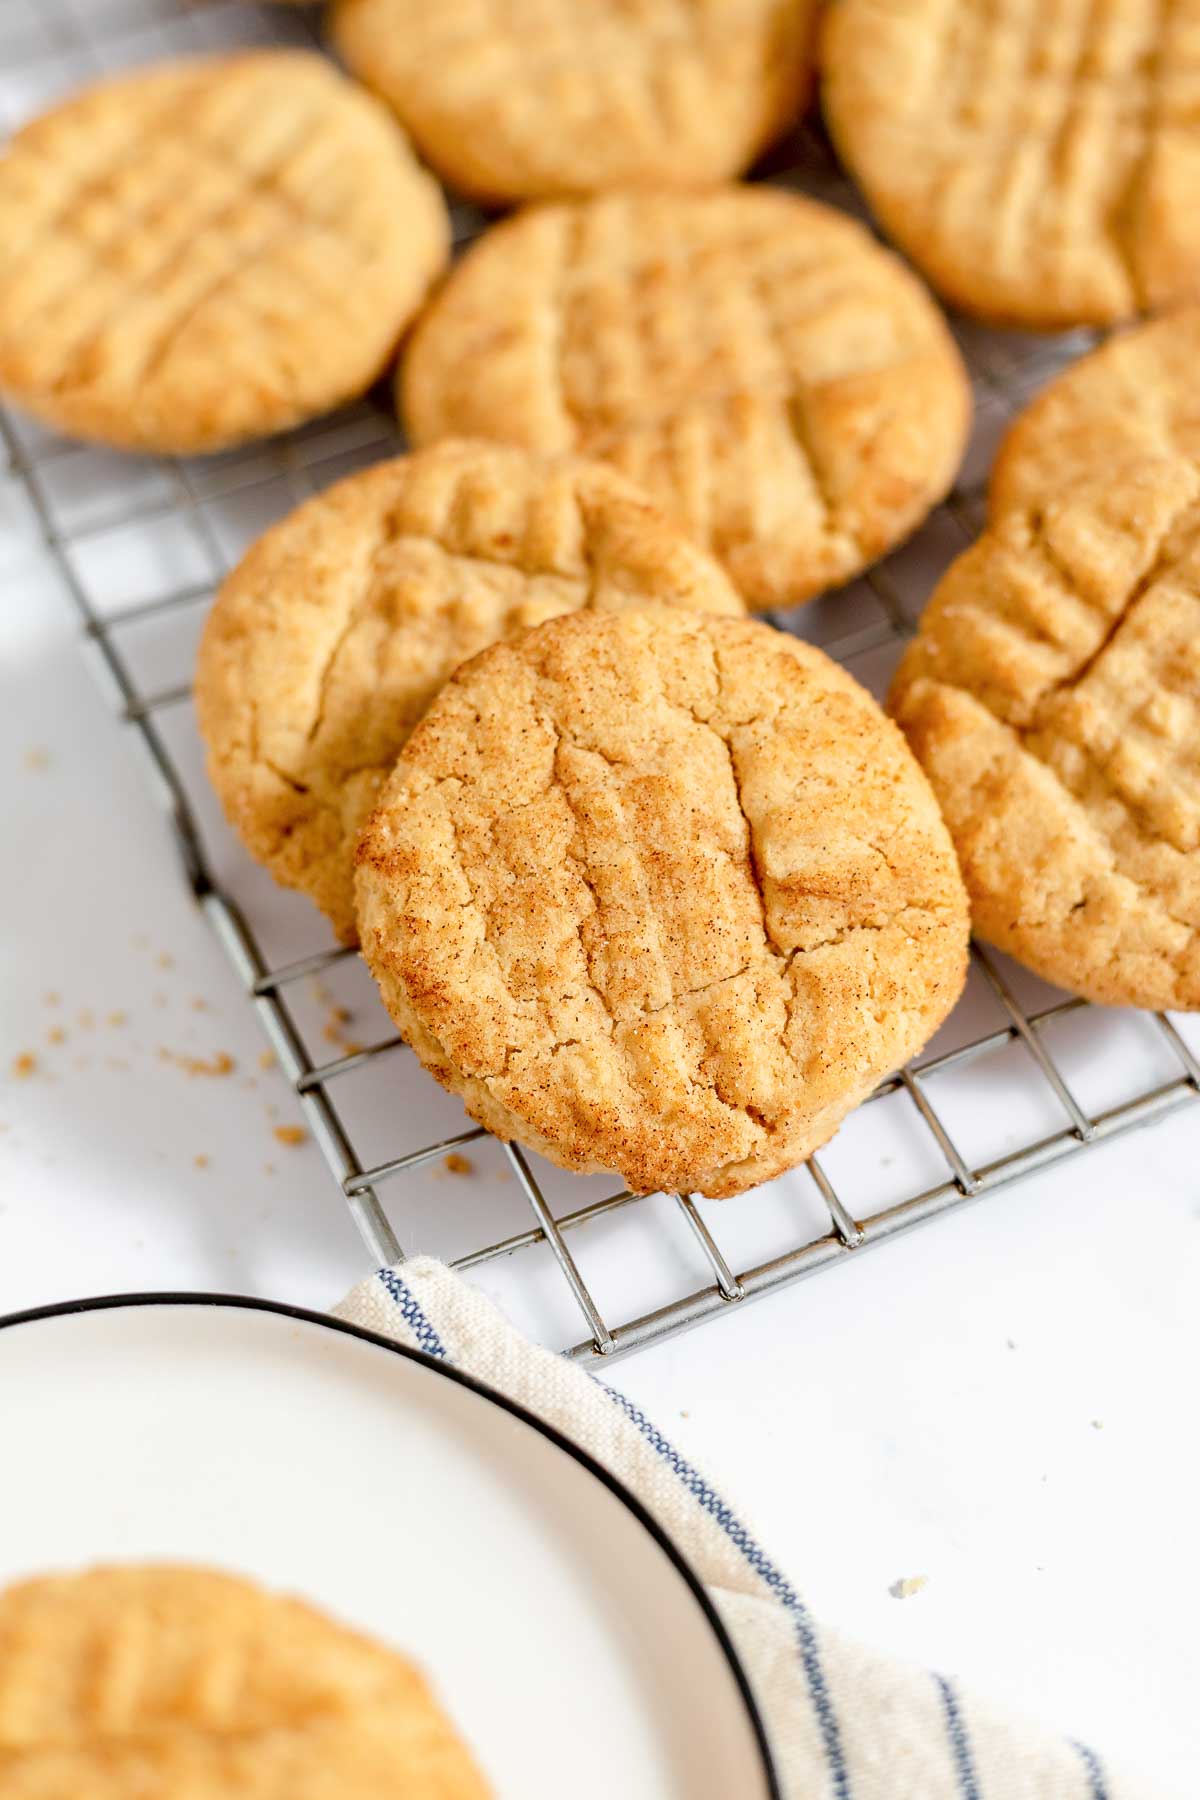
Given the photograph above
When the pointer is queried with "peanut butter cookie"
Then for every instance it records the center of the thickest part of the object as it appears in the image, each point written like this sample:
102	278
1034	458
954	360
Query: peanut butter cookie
209	251
332	636
527	99
165	1681
1038	163
661	893
1053	693
754	360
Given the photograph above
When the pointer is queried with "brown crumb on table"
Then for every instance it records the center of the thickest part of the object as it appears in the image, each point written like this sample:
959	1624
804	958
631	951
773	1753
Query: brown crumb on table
291	1135
907	1586
199	1003
200	1160
56	1035
266	1059
458	1165
52	999
118	1018
220	1064
268	1168
36	757
165	960
24	1065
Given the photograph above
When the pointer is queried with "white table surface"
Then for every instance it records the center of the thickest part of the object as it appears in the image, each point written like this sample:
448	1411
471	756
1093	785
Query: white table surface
1003	1401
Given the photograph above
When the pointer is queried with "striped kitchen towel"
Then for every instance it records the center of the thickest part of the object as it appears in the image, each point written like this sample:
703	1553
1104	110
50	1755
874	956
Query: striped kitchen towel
845	1723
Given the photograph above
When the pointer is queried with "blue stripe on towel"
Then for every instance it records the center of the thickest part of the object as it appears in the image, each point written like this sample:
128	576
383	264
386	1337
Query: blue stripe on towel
806	1637
412	1314
956	1731
1091	1762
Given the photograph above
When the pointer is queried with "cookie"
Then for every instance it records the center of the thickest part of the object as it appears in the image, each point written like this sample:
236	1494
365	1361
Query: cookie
330	639
1038	163
1053	692
165	1681
753	359
530	99
660	893
209	251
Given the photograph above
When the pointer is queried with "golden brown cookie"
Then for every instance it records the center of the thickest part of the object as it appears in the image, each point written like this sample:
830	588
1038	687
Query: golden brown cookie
1053	692
209	251
160	1681
752	359
1039	163
329	640
661	893
527	99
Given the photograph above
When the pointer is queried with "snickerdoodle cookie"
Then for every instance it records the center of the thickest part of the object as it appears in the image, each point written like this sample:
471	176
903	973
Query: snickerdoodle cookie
165	1681
527	99
209	251
769	374
329	640
661	893
1053	693
1038	163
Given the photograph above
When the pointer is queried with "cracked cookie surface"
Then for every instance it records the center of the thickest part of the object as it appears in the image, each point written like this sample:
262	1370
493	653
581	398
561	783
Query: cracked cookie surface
209	251
1037	162
331	637
525	99
162	1680
754	360
1053	691
663	894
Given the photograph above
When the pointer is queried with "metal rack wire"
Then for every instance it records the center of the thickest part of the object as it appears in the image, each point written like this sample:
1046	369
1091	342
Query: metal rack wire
75	499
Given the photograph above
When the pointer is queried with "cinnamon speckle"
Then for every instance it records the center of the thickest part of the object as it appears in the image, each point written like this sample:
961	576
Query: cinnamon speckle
291	1135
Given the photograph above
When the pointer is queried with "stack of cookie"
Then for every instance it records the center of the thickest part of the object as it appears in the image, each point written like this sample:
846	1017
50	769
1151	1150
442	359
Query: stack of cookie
655	887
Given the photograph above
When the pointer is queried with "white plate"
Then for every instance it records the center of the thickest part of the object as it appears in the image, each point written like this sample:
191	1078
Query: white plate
565	1636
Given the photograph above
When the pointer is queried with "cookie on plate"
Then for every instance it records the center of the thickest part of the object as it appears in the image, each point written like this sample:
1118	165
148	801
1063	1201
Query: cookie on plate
527	99
661	893
753	359
1053	692
209	251
1038	163
149	1680
329	640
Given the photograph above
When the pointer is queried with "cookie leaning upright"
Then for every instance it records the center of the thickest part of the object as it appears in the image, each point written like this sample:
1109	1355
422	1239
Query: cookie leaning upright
330	638
661	893
772	377
1038	163
1053	691
528	99
209	251
164	1680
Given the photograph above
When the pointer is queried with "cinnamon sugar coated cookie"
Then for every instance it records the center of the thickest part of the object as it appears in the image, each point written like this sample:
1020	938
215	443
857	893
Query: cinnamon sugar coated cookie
661	893
208	251
524	99
1039	163
777	381
161	1681
332	636
1053	693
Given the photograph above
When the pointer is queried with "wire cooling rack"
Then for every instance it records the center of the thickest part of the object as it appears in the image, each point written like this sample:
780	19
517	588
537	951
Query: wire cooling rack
1021	1076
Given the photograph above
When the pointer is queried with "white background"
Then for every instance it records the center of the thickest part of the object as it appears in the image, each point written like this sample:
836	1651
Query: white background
1004	1402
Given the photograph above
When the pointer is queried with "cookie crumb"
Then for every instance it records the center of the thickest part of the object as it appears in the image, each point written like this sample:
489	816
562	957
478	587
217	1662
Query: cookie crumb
907	1586
24	1065
86	1019
200	1160
291	1135
164	960
199	1003
118	1018
56	1035
458	1165
37	758
267	1059
268	1168
52	999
